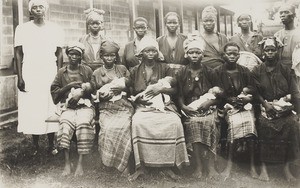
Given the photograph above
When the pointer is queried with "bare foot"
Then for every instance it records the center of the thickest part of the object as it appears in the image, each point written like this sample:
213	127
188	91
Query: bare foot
125	173
171	174
67	170
226	174
288	175
197	174
135	175
79	171
213	174
264	176
254	174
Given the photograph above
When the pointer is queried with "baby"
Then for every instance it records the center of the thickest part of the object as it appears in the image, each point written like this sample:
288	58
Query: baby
281	105
210	95
157	101
244	94
105	91
78	91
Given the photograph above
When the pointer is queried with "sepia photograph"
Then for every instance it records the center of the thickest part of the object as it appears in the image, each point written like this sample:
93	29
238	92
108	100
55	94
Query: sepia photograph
149	93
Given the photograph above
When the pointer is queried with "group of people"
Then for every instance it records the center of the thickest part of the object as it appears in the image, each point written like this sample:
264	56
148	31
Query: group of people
163	98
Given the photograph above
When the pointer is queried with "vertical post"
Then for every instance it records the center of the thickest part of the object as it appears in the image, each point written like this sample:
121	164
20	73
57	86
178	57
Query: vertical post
225	24
91	4
181	14
20	11
161	6
231	25
196	19
218	19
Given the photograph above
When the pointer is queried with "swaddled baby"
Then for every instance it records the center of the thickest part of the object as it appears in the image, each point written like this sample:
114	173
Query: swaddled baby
282	105
78	91
210	95
244	94
158	101
105	91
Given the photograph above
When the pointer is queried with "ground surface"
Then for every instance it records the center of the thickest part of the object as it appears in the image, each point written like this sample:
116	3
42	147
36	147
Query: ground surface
18	168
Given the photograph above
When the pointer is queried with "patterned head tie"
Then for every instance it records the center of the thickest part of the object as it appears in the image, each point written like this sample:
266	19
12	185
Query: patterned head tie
78	46
209	12
109	46
271	41
193	41
94	14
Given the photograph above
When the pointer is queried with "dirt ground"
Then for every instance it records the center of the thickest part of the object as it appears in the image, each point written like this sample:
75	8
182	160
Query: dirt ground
19	168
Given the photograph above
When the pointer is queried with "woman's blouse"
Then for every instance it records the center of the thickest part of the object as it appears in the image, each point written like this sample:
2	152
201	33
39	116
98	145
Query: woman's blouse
191	88
139	78
167	51
277	83
129	58
233	84
63	78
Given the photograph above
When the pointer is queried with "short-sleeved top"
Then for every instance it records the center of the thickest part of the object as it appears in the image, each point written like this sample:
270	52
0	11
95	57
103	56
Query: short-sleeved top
166	50
138	76
290	38
225	80
100	76
63	78
39	42
190	88
276	83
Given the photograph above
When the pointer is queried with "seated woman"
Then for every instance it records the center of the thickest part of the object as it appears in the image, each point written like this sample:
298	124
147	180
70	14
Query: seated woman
236	81
277	123
157	135
195	81
71	87
115	110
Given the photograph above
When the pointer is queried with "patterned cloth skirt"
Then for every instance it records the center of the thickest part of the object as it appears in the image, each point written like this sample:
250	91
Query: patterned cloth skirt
204	130
115	133
241	125
281	133
158	139
81	122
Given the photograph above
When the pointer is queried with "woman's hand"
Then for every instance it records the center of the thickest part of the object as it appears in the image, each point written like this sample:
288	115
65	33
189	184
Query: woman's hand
75	84
188	110
235	102
74	100
270	110
117	89
204	106
141	100
153	91
21	85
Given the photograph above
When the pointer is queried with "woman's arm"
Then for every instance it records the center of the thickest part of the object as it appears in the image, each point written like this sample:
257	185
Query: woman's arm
19	59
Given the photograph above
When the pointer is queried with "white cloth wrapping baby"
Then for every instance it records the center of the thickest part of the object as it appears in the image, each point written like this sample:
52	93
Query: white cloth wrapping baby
106	90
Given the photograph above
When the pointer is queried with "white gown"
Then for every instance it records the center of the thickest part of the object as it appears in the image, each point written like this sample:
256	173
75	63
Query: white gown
39	69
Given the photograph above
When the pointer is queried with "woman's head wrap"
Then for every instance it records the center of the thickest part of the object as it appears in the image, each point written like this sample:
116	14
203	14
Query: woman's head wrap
209	12
94	14
78	46
270	41
142	19
109	46
38	2
193	41
171	14
148	41
288	7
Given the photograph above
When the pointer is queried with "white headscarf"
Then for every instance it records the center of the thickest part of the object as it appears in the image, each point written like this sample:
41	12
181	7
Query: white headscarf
148	41
38	2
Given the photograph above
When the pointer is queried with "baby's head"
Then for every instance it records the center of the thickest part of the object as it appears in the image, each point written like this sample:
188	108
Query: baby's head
216	91
247	90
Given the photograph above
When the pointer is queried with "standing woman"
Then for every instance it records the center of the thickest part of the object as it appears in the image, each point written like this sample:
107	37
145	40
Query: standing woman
93	39
157	134
115	115
246	39
37	59
140	26
214	40
202	132
274	81
171	44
